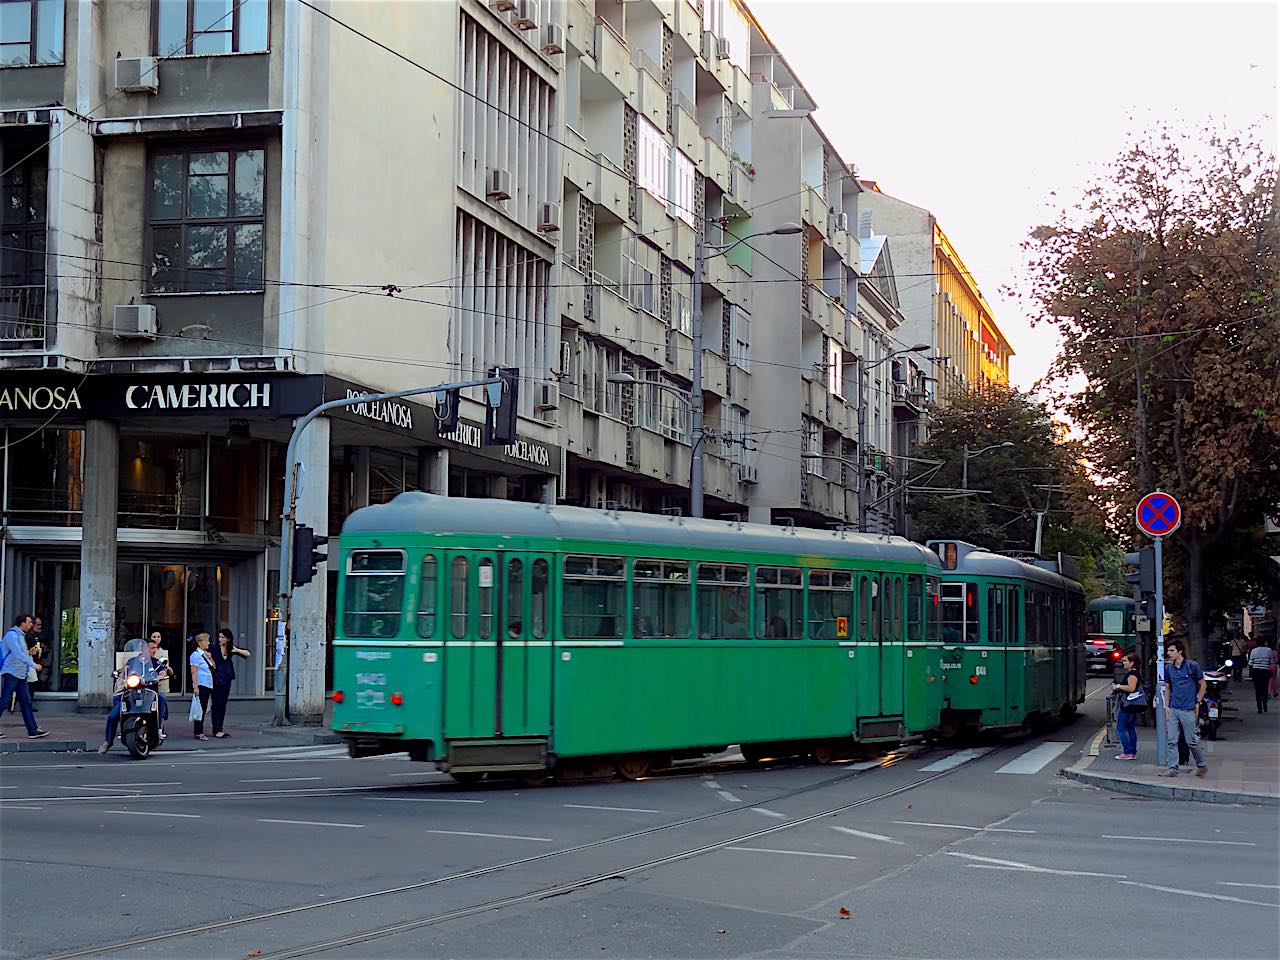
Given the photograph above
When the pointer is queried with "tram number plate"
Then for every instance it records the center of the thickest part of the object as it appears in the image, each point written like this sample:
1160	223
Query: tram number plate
979	671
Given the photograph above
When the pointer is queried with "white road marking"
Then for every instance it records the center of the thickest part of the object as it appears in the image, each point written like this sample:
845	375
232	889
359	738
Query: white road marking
315	823
15	806
1035	759
1227	843
864	765
429	799
1032	868
1197	893
1260	886
769	813
795	853
128	786
419	773
711	783
865	835
149	813
959	826
282	780
728	797
587	806
1005	830
106	789
953	760
491	836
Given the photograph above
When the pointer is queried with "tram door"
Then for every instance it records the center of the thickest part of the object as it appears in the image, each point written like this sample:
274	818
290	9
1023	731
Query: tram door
892	651
497	654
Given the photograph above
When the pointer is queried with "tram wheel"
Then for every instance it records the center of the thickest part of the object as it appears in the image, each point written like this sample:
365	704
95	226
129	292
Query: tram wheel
468	779
534	778
753	753
633	767
823	753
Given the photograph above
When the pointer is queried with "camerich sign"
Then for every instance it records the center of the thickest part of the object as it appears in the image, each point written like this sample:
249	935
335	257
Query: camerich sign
198	396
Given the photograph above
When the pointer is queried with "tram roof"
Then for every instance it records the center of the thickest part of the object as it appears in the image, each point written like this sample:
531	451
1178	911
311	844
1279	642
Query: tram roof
1111	600
975	560
429	513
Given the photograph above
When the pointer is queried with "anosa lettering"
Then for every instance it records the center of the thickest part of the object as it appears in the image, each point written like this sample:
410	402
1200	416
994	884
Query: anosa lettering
384	411
197	396
39	399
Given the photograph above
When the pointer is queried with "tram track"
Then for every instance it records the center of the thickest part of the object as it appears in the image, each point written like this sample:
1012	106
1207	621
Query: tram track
540	893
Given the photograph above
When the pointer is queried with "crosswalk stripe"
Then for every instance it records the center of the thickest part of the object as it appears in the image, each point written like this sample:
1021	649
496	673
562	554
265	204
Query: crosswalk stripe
1035	759
953	760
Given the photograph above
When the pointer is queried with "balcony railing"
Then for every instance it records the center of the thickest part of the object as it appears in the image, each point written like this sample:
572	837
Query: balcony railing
21	313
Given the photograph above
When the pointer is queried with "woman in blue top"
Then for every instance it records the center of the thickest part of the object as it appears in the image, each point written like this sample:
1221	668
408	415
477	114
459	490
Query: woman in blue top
202	679
224	675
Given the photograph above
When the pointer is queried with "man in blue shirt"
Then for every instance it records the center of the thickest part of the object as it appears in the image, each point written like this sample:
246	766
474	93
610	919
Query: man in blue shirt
17	664
1184	687
144	665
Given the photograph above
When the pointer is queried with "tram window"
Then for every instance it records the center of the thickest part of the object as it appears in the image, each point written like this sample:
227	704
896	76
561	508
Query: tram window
932	603
877	600
595	597
779	603
458	613
722	602
1113	621
864	608
897	608
484	599
427	589
952	612
538	591
513	599
660	603
915	597
374	593
830	599
1011	615
995	614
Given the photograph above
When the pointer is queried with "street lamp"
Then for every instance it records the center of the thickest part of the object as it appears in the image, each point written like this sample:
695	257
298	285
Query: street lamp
970	454
863	367
700	257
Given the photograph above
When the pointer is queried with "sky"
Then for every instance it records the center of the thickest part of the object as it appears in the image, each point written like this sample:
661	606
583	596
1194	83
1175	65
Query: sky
977	111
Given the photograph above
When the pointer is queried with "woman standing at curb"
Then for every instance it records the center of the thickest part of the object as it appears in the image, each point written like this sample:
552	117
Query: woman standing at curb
224	675
201	680
1126	716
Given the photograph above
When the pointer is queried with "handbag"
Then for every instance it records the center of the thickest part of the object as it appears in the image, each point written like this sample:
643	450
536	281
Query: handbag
197	710
1136	700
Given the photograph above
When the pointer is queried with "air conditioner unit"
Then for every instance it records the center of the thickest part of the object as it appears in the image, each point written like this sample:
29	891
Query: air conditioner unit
549	218
497	185
135	321
842	222
138	74
525	17
502	6
748	473
548	397
722	48
553	38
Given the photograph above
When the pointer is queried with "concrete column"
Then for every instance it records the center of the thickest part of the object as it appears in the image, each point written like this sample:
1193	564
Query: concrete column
97	641
438	482
308	638
423	481
549	490
498	487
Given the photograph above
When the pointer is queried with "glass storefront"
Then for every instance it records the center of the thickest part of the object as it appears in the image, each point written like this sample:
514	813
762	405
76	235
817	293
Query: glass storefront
44	479
162	481
57	604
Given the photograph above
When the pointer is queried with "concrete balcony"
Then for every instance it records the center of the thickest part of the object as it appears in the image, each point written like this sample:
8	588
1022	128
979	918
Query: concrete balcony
655	219
723	71
651	98
739	386
825	313
716	164
719	274
740	90
580	168
715	373
614	188
650	337
678	457
614	317
604	439
681	362
687	135
613	60
573	293
814	399
649	453
22	325
740	185
814	210
720	477
828	497
569	414
679	243
688	26
580	25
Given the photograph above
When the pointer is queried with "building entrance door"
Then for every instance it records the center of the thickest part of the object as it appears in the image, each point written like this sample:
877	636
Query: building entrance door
57	604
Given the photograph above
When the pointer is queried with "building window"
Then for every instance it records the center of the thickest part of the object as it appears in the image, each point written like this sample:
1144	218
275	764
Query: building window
835	369
24	199
205	27
674	414
681	304
648	397
207	220
739	338
683	187
599	393
654	168
45	481
812	446
162	481
30	32
640	275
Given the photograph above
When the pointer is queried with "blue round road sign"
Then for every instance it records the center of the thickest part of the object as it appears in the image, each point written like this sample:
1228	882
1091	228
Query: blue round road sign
1158	515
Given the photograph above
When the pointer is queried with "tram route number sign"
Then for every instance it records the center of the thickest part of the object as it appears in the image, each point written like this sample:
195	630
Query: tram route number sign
1158	514
842	626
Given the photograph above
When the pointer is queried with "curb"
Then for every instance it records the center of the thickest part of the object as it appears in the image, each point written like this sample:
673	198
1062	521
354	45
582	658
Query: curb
1162	791
42	746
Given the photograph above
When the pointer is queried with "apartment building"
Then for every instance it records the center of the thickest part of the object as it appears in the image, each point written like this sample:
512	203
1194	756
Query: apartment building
943	304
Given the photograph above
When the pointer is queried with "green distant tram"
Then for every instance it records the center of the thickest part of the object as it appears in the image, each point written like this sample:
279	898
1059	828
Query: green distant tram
1013	640
489	636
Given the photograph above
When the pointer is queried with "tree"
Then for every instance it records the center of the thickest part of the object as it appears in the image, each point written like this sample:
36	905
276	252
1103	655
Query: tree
1162	282
1040	474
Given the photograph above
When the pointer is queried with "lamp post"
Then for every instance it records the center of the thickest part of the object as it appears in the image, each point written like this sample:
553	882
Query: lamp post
969	455
863	367
700	257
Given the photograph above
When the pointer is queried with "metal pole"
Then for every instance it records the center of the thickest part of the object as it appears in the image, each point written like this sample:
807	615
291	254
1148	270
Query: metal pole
964	468
1162	732
288	519
862	442
695	414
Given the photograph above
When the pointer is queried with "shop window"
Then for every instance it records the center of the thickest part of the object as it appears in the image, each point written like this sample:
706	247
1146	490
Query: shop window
30	32
386	476
830	600
374	593
209	26
162	482
661	603
45	481
722	601
427	589
235	486
595	597
206	218
779	603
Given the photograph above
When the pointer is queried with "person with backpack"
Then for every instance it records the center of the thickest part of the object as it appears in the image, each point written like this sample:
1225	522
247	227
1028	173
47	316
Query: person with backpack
15	665
1129	707
1184	687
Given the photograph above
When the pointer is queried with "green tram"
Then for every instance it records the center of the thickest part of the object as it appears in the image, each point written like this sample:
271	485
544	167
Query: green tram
1112	625
495	636
1012	640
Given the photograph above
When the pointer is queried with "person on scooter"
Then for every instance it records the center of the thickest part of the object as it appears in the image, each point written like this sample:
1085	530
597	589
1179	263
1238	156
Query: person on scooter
143	664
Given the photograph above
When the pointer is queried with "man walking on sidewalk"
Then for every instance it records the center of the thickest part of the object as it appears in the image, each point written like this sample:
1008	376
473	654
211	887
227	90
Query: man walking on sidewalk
17	663
1184	687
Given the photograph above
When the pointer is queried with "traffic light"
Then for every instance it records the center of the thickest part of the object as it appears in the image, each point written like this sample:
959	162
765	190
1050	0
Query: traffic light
446	412
500	419
305	556
1142	569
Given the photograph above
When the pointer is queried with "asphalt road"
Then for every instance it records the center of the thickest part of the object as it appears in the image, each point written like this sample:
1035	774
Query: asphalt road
936	851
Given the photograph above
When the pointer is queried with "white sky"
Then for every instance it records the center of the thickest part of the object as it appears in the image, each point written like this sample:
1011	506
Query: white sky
978	111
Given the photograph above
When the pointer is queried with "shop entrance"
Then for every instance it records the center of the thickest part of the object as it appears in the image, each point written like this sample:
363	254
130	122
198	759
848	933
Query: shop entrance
57	604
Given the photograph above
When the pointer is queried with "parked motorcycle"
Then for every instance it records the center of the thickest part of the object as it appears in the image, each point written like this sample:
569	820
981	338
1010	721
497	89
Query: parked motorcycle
140	701
1210	715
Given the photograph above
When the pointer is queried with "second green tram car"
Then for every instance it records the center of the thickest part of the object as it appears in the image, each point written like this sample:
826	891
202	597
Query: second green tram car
1012	636
495	636
1112	629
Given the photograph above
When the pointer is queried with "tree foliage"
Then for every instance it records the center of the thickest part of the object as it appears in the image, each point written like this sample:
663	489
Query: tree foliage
1162	282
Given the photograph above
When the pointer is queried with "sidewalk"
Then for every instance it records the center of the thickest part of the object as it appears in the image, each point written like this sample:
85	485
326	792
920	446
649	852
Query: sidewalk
248	723
1244	762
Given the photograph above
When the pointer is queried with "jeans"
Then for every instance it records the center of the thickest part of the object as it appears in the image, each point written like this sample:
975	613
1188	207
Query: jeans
1261	684
19	686
1127	728
204	693
1184	722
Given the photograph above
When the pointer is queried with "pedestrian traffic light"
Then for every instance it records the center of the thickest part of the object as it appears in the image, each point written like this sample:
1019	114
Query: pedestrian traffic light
1141	569
446	411
305	555
500	418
